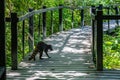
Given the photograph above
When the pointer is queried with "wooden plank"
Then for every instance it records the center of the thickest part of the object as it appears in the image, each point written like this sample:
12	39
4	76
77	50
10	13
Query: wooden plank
92	71
69	74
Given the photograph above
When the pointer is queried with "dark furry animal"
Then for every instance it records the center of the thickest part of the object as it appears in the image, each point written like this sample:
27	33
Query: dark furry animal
40	48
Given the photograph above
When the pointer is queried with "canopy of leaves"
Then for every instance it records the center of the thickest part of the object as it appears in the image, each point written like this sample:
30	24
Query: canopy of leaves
22	6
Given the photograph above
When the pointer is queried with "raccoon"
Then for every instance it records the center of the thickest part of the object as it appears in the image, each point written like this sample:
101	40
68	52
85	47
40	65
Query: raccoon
40	48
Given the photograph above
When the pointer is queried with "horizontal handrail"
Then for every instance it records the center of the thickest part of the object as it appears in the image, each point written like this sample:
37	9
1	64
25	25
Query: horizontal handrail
111	17
38	12
106	17
48	9
79	7
68	7
26	16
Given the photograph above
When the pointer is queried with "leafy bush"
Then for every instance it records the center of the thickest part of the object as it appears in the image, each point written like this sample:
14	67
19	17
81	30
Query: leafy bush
111	49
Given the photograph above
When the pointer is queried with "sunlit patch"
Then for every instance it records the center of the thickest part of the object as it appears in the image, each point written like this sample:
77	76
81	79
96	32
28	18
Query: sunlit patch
58	44
62	56
79	59
86	43
74	50
61	75
54	51
68	63
13	74
34	78
68	49
25	64
71	41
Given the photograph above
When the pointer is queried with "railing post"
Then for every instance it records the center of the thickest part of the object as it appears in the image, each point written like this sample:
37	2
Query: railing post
39	24
108	20
31	32
60	19
14	41
72	18
2	39
44	23
99	41
51	22
23	39
117	12
93	10
100	7
82	17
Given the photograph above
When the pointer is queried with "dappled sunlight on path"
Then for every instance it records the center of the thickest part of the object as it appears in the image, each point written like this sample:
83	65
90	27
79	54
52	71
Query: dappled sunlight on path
71	59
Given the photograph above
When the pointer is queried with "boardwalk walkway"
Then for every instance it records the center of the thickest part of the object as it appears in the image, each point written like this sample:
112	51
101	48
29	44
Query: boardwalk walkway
71	60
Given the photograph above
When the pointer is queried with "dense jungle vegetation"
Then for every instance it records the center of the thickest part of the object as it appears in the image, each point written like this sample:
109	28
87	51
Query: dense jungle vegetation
111	43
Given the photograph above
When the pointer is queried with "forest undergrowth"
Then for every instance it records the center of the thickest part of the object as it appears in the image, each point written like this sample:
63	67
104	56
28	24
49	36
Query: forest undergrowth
111	49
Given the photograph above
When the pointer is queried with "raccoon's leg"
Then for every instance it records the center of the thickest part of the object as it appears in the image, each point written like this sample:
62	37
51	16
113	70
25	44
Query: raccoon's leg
40	54
34	58
46	51
30	58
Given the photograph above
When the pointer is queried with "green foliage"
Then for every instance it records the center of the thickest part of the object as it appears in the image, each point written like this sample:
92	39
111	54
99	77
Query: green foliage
8	45
111	50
